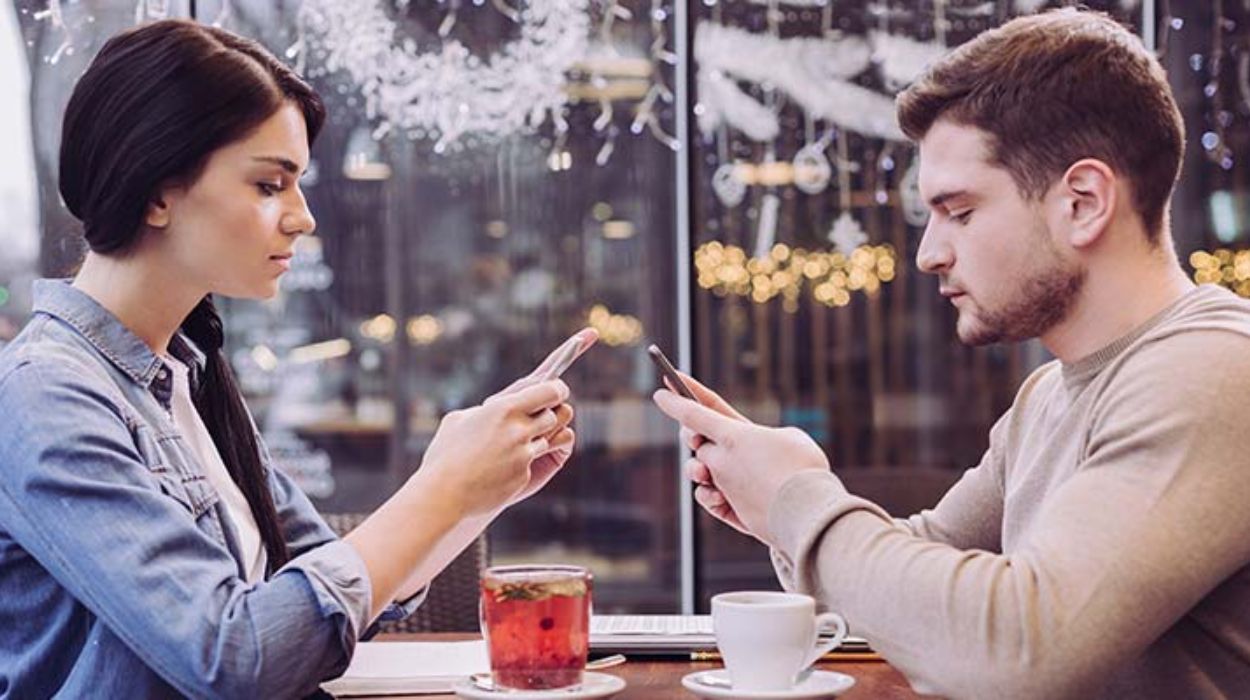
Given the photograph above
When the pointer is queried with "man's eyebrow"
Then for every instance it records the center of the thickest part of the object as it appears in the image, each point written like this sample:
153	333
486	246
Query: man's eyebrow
941	198
286	163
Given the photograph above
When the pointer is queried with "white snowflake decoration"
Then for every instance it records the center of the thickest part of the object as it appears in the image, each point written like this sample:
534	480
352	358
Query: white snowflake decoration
813	72
846	234
450	92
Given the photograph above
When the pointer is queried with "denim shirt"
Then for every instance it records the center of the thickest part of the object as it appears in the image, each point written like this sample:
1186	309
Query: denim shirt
119	571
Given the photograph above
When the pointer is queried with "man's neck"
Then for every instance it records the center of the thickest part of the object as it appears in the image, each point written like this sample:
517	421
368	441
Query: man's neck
1116	299
146	299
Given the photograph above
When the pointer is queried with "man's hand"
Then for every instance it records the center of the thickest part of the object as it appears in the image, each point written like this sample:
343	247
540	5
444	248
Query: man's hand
738	465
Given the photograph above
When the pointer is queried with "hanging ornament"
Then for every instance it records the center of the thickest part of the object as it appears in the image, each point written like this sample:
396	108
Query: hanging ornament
813	72
151	10
723	102
766	236
846	234
449	92
901	59
915	210
1028	7
56	18
729	188
812	170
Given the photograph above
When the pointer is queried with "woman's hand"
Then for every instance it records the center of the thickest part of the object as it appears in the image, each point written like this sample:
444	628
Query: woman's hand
489	456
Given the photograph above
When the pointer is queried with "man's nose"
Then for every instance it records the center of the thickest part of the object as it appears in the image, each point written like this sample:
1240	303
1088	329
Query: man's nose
934	254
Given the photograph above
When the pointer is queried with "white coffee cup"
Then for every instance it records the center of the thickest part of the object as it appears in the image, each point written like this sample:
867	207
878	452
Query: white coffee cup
767	638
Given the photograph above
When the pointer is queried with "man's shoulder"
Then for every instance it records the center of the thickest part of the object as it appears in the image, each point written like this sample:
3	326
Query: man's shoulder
1209	307
1192	364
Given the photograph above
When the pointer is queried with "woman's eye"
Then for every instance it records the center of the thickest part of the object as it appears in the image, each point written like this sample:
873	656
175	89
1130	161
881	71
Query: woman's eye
269	188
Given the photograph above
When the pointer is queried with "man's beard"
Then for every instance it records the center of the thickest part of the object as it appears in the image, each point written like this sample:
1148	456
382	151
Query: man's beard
1041	300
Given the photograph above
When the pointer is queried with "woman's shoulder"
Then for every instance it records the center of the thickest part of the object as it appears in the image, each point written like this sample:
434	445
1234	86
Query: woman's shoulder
45	357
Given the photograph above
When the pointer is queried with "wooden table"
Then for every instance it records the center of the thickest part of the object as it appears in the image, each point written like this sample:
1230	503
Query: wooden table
661	680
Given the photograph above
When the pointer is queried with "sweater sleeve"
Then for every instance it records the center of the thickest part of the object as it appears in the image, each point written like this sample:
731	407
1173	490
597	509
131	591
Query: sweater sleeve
970	514
1152	519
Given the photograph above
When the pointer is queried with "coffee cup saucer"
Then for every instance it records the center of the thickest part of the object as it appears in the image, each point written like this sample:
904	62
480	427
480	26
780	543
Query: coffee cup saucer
594	685
818	684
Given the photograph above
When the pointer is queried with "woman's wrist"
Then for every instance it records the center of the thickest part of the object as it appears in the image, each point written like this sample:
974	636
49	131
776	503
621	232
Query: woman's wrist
440	503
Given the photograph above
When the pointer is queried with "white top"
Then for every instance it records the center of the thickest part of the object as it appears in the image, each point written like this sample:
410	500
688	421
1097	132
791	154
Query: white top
193	430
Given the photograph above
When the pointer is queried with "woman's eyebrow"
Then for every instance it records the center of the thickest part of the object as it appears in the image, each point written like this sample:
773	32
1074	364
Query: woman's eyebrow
286	163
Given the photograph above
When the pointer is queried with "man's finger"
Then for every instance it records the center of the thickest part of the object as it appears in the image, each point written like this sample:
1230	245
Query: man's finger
710	454
711	399
691	439
697	417
698	472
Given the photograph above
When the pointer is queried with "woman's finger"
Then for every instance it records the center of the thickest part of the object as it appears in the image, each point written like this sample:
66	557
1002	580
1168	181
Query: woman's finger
543	424
538	447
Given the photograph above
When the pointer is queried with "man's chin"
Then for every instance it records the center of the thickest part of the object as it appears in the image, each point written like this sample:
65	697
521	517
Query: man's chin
974	333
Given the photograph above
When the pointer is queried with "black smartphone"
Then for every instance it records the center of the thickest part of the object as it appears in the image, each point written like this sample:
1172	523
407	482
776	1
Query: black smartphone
667	371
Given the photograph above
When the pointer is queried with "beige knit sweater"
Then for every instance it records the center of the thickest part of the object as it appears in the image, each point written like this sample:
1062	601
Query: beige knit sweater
1100	549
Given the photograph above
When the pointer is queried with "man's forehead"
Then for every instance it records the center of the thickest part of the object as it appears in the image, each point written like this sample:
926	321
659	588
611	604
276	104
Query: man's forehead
953	157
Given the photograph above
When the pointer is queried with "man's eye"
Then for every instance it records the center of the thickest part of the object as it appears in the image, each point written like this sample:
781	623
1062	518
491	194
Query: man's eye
962	217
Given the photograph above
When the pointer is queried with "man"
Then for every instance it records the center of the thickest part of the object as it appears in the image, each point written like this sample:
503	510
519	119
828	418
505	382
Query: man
1100	548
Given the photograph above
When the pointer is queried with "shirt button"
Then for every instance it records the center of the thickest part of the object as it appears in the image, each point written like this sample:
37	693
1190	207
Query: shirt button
162	374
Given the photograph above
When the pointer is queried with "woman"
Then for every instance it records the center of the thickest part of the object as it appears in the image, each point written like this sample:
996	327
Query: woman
148	547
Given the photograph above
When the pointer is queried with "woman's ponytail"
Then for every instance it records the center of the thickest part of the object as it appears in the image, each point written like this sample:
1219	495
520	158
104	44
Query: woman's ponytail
221	408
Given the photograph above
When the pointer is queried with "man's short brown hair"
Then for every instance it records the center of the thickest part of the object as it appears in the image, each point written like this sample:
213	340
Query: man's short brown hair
1051	89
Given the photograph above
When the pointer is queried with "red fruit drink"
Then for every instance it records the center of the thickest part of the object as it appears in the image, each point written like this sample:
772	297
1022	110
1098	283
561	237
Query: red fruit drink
536	620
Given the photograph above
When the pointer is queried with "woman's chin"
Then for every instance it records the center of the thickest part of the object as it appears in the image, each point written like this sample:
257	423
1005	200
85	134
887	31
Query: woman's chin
262	292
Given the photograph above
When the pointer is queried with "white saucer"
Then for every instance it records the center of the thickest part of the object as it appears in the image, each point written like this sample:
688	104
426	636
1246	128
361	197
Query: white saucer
820	684
594	685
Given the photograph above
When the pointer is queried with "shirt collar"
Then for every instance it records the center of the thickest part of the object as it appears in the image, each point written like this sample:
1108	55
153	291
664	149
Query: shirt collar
113	340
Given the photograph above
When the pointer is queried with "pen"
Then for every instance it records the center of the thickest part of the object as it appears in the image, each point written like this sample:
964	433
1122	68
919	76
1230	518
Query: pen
830	656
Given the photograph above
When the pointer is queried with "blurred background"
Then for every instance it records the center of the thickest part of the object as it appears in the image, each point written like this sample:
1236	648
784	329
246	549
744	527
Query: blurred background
721	177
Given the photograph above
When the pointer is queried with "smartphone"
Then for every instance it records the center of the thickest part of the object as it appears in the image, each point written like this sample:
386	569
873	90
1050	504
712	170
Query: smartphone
668	372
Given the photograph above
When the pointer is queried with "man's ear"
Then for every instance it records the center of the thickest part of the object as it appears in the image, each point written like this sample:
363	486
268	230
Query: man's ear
1089	198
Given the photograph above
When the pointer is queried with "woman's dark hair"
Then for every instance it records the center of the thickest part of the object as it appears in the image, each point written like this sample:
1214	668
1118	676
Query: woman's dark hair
150	110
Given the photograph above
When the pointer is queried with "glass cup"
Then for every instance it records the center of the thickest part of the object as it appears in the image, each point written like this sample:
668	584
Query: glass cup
536	621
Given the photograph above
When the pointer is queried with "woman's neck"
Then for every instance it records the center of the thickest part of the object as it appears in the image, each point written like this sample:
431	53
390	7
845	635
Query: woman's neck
146	299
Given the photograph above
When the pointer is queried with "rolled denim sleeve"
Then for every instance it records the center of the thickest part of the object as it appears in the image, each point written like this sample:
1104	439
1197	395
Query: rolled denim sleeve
77	495
307	531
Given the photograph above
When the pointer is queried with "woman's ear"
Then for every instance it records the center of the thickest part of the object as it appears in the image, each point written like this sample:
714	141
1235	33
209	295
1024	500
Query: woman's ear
1089	198
157	214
